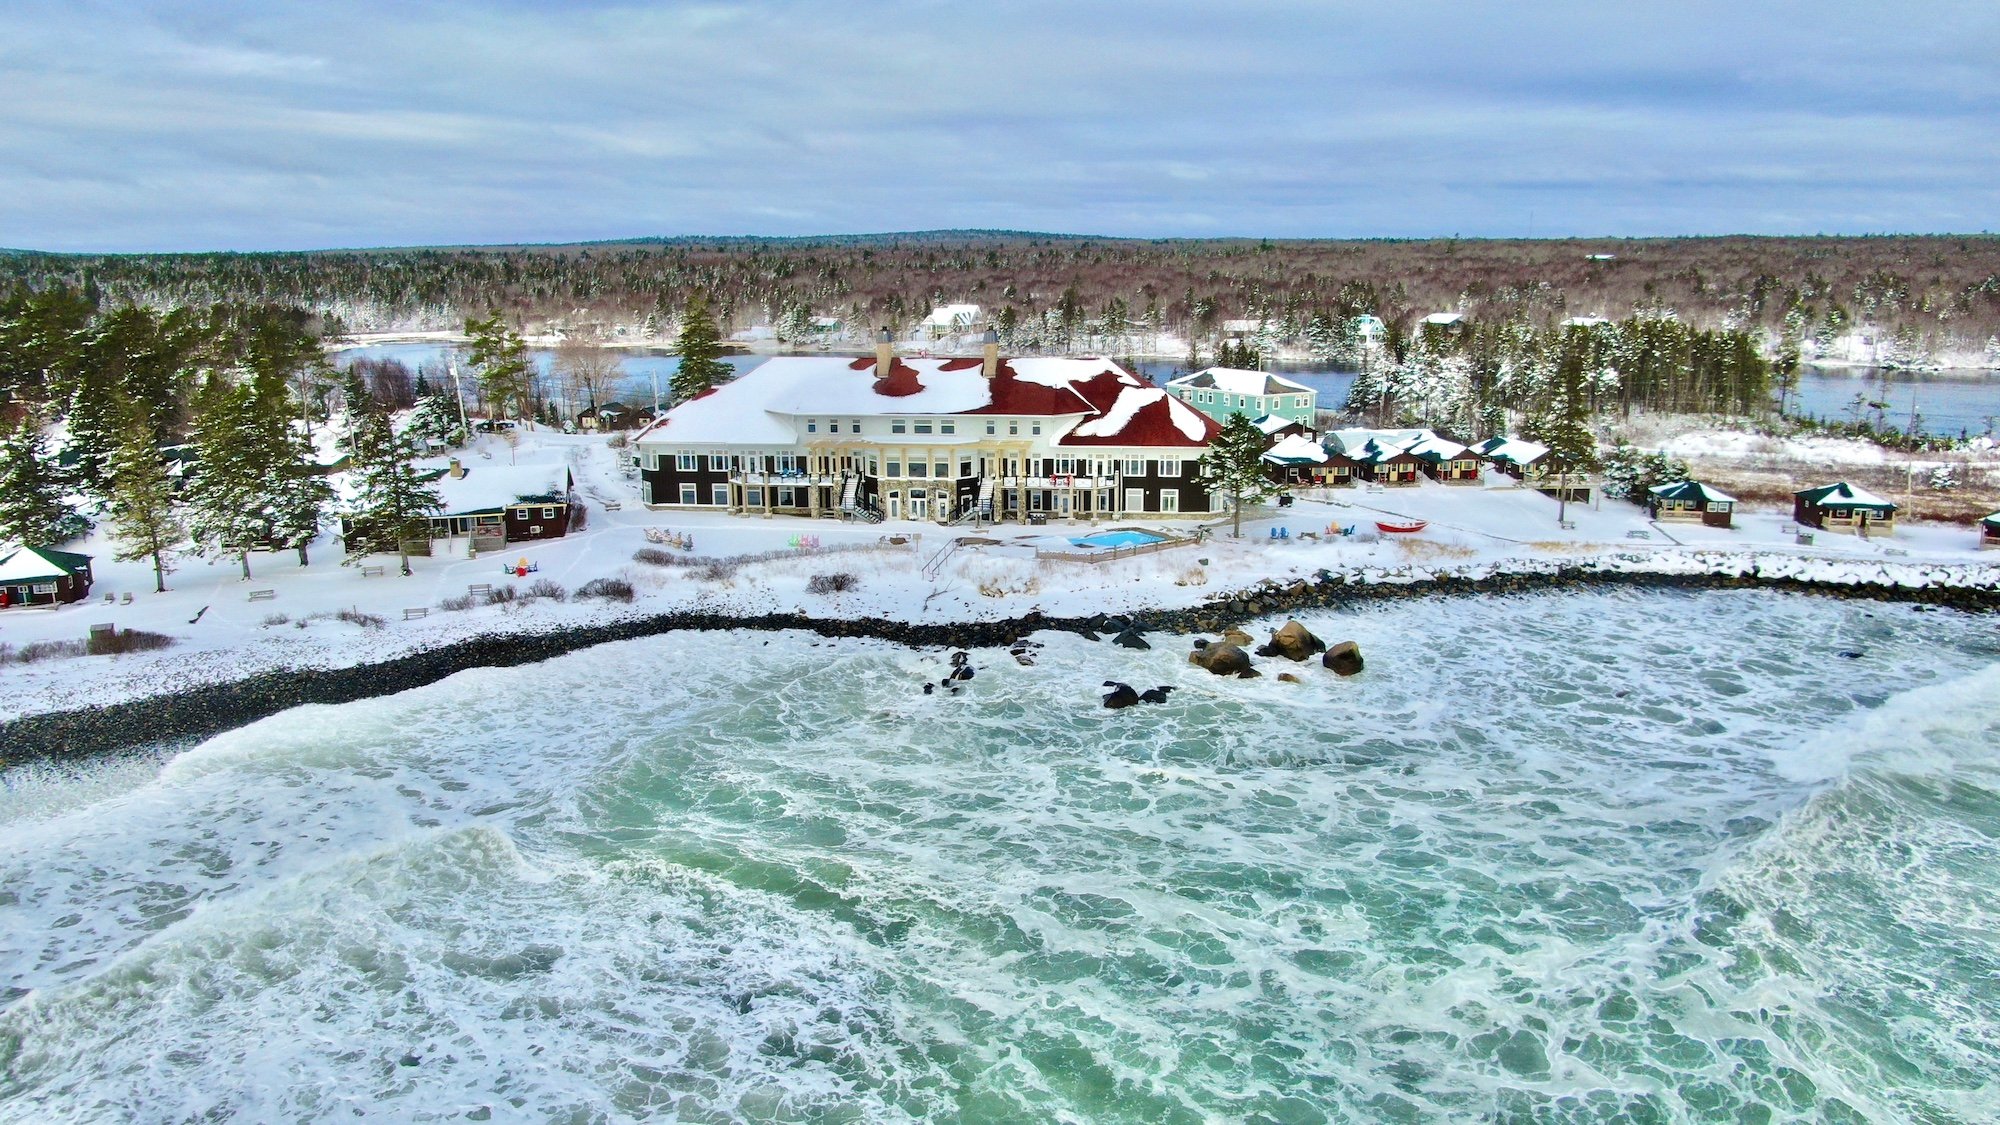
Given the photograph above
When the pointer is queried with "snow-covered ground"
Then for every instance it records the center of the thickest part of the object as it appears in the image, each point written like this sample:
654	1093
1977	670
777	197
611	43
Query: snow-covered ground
222	635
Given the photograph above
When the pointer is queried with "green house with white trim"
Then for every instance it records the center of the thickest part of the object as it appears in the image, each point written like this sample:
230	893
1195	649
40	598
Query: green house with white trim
1691	501
1222	391
1844	507
1989	533
41	576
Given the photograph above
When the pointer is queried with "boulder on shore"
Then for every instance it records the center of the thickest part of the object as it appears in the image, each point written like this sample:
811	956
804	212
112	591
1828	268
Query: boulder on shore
1343	659
1292	641
1222	659
1238	637
1130	638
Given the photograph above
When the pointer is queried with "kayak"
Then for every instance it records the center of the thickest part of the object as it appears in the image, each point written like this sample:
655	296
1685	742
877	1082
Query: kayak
1401	528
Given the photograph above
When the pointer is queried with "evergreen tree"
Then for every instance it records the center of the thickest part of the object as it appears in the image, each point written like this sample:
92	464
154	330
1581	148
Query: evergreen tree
1563	424
1234	465
700	351
34	510
229	499
499	357
391	499
145	515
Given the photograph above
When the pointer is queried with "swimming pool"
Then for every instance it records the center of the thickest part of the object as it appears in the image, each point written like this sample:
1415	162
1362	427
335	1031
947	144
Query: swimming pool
1128	538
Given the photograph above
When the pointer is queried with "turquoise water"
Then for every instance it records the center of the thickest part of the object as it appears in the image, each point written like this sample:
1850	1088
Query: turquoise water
1118	539
1611	857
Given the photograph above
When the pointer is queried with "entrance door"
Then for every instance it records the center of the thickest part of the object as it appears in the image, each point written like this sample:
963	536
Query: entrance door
1062	498
1135	499
895	505
920	504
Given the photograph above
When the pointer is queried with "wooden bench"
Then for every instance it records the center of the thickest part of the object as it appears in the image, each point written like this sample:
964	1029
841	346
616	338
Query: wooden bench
1638	535
1566	525
372	572
1895	552
612	505
263	595
414	614
479	589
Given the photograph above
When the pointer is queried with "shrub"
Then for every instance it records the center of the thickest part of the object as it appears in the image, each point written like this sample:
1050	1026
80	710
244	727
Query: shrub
277	619
50	650
831	583
356	617
131	640
502	595
544	588
610	589
653	556
721	570
456	605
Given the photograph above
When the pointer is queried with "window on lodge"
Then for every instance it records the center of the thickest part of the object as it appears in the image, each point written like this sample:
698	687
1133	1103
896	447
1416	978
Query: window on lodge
685	462
919	469
688	494
1170	468
941	468
895	469
947	427
923	426
718	495
812	425
718	463
965	466
1065	466
991	429
1135	466
897	426
1013	428
1170	501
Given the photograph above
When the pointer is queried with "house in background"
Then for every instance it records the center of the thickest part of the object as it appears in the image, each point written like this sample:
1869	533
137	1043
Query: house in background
1444	460
494	505
1296	459
1844	507
1989	532
43	576
1514	457
1689	501
948	322
1222	391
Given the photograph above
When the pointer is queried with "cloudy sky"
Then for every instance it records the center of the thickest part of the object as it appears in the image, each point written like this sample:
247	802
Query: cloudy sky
268	125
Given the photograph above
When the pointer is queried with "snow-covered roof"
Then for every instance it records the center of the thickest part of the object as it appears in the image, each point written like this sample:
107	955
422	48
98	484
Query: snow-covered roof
1353	441
761	406
485	487
944	316
31	564
1272	423
1844	495
1234	381
1691	490
1296	449
1583	321
1514	451
1444	318
1992	521
1433	448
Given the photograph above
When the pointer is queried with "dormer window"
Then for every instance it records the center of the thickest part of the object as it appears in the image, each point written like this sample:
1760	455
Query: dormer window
923	426
896	426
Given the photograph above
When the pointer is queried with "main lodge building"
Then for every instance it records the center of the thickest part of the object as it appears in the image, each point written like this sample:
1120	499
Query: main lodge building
930	439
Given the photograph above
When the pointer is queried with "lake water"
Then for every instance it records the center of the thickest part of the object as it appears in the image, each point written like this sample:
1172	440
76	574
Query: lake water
1604	857
1948	403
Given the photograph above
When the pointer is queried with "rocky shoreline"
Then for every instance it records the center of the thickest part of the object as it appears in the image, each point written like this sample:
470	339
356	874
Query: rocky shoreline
209	710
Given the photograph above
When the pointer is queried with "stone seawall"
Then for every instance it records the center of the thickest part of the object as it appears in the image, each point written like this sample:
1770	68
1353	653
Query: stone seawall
209	710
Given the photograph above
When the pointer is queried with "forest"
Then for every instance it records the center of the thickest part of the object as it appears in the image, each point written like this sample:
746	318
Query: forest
1929	296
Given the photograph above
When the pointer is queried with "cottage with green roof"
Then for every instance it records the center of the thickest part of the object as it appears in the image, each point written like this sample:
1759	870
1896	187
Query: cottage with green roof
1989	532
41	576
1691	500
1844	507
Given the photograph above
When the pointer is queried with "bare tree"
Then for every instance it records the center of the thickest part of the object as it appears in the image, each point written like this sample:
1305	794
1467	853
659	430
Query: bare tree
588	371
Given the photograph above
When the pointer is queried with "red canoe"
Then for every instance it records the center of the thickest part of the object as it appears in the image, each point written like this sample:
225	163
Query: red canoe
1401	528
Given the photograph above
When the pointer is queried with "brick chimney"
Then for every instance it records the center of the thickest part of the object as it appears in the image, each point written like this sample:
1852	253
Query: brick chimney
990	365
457	470
885	353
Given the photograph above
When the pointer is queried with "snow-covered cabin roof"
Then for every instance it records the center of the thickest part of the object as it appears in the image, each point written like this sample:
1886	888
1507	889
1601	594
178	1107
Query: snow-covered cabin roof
1691	490
1583	321
1513	451
1295	449
947	316
1272	423
1353	441
36	564
1434	449
1844	495
1234	381
485	487
1444	318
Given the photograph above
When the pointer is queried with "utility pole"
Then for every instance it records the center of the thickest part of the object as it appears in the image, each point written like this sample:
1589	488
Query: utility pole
451	365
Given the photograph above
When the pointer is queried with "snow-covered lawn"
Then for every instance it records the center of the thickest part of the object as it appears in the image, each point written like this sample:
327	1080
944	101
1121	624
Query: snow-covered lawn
222	635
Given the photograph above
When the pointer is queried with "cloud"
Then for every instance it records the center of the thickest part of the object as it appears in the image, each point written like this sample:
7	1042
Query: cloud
239	125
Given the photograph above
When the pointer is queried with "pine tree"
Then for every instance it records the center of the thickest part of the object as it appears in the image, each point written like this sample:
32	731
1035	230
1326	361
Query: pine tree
229	500
145	514
1234	464
391	499
700	351
1563	424
499	357
34	511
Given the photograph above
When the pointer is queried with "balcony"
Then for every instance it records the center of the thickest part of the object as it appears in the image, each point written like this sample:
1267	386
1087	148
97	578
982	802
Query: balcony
783	480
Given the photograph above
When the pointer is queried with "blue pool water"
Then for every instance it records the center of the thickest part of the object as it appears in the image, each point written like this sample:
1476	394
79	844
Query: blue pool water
1118	539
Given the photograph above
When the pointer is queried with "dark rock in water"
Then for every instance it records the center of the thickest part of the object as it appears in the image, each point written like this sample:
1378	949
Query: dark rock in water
1200	643
1155	694
1120	695
962	672
1848	654
929	688
411	1060
1130	639
1288	678
1292	641
1089	635
1343	659
1222	659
